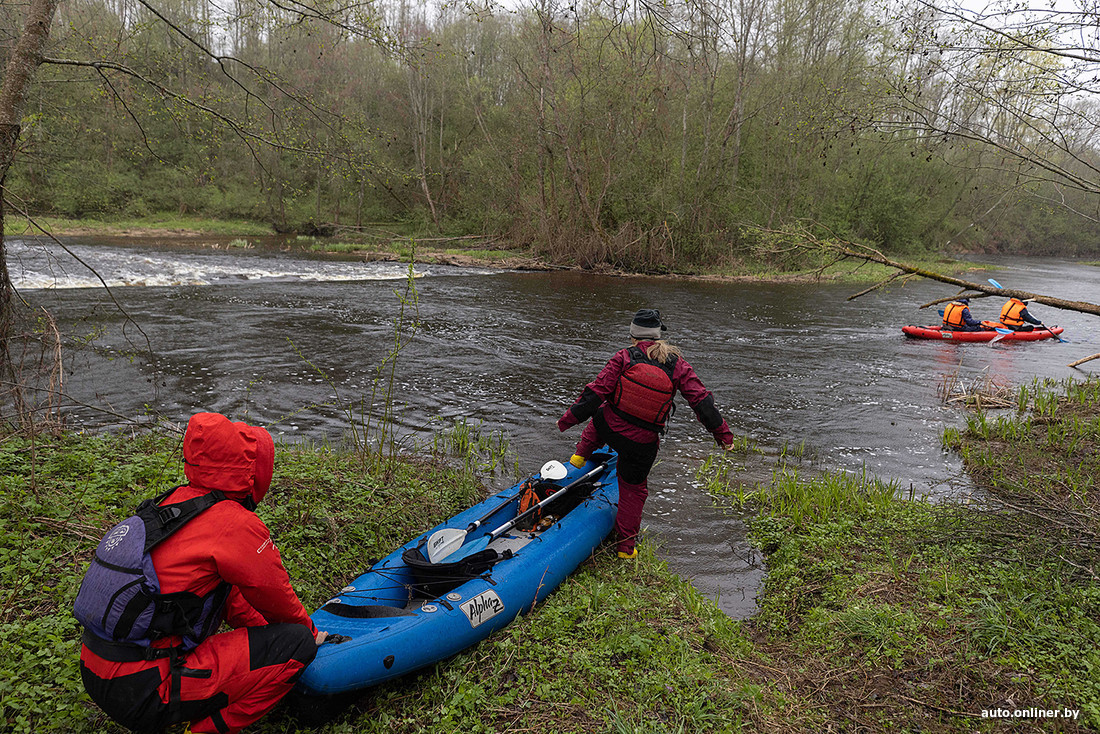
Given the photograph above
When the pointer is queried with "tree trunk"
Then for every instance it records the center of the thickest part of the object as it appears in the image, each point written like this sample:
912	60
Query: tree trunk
24	61
844	249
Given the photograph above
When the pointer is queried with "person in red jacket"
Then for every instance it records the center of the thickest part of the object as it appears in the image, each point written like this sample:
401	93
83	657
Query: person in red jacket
225	557
628	403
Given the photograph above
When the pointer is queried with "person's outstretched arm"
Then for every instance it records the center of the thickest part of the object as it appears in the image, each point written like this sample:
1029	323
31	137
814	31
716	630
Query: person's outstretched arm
701	401
594	393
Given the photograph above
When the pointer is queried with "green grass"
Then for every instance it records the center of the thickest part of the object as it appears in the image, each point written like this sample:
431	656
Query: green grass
328	510
1049	448
619	647
879	613
16	226
919	615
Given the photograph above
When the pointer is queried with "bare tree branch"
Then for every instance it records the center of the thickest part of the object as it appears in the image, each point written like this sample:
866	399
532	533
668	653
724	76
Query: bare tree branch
870	254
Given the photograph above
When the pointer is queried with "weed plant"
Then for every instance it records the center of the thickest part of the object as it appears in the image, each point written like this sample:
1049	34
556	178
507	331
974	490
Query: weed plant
910	615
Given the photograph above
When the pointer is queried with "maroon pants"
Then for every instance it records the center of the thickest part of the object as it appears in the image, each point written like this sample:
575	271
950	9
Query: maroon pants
635	461
226	683
628	520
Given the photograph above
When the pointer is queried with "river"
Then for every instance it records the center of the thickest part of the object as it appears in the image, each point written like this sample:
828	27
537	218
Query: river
274	335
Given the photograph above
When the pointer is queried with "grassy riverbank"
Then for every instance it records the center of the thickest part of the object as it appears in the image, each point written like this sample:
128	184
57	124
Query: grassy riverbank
15	226
400	242
908	615
879	614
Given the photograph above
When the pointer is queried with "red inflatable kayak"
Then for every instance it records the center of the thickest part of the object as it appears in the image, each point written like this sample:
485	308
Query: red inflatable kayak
938	332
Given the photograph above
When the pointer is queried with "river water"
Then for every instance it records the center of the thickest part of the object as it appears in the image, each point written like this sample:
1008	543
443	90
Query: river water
279	337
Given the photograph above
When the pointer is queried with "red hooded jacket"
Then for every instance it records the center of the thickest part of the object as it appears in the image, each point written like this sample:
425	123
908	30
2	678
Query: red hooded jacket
228	542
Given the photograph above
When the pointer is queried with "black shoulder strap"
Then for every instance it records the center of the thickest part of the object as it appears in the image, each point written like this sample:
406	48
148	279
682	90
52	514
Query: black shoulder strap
162	521
637	355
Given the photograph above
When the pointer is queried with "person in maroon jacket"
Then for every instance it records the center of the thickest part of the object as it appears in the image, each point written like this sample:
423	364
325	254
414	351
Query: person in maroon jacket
629	403
225	557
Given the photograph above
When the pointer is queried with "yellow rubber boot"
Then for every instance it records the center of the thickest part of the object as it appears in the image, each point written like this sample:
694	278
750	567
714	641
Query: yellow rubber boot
629	556
578	461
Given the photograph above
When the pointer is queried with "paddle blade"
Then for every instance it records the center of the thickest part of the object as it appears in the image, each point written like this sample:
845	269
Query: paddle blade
994	283
553	471
444	542
465	551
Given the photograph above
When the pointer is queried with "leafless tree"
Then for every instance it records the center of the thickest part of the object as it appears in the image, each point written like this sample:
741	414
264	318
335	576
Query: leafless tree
269	118
1018	81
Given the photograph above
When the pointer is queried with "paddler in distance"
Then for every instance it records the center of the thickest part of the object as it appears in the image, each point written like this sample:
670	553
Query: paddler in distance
957	317
1015	316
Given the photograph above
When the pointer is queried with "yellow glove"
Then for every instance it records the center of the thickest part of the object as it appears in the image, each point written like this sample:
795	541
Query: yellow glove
578	461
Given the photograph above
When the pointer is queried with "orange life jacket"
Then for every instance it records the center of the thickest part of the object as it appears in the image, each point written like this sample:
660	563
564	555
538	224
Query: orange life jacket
953	315
1011	313
533	493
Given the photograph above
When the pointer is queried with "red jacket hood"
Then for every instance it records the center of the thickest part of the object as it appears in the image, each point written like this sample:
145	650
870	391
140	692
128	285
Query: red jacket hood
235	458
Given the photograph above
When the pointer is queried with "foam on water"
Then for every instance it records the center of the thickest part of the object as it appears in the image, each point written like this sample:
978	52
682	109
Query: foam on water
36	265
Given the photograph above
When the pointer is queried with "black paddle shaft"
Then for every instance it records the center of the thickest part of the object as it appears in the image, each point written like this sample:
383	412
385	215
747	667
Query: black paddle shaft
512	523
477	523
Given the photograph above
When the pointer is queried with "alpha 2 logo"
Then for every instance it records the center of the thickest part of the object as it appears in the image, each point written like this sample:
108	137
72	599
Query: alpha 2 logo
482	607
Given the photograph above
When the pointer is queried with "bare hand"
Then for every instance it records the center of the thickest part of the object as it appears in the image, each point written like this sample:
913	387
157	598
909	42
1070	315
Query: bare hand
320	638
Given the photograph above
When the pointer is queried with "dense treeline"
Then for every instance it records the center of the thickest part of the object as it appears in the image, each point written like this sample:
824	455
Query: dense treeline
592	132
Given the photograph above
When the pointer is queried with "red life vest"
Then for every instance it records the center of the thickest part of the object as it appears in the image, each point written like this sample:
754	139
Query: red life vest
643	395
953	315
1010	313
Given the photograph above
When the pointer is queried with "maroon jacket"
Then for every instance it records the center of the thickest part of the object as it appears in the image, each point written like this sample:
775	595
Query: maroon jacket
596	394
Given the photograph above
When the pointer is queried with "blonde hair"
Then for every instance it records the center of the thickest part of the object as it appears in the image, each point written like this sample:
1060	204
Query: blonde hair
660	350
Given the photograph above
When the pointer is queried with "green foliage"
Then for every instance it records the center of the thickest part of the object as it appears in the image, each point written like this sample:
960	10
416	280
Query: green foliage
939	598
586	137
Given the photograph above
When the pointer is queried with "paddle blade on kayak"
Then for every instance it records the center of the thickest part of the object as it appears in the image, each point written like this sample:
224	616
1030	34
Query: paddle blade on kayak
444	542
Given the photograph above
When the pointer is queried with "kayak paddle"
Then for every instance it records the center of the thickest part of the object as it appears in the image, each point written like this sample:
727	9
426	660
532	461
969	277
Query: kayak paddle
1044	326
994	283
445	541
1001	333
483	542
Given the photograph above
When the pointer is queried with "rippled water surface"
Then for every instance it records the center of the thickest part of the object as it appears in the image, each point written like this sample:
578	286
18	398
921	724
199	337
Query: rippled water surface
278	336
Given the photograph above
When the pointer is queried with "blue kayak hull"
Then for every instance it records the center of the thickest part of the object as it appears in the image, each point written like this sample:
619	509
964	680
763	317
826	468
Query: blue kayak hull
394	630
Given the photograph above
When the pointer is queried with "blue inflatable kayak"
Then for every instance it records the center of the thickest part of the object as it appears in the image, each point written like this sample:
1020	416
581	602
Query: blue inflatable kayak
454	585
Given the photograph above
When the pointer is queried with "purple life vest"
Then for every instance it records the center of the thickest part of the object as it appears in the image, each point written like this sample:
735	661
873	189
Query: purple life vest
120	599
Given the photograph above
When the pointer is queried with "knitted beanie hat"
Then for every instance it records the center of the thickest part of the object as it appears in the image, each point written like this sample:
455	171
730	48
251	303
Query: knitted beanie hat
647	324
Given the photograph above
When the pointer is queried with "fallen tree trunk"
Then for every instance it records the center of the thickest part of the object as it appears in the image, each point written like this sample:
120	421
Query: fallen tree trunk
1082	361
843	249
